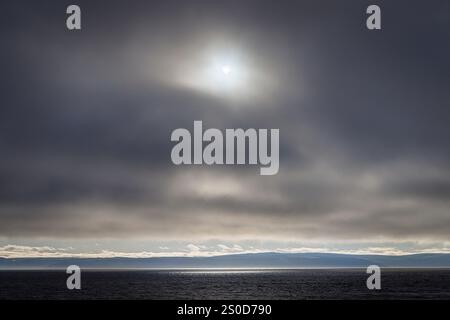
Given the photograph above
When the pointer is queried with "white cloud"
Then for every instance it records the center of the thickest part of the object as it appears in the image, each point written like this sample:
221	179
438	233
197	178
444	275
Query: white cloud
202	250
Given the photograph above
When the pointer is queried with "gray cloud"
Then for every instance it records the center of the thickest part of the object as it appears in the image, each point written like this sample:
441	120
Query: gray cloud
86	119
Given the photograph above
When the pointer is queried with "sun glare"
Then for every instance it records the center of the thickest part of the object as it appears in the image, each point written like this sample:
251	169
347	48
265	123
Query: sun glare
226	70
220	74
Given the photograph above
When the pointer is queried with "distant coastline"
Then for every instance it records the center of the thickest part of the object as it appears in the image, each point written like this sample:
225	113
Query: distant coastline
269	260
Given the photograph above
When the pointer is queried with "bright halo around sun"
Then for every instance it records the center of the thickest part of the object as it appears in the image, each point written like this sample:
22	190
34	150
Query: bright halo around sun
226	70
225	76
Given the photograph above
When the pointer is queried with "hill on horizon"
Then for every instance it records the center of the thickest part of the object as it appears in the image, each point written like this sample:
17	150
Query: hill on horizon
266	260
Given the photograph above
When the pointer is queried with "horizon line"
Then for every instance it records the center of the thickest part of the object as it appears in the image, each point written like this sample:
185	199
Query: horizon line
99	256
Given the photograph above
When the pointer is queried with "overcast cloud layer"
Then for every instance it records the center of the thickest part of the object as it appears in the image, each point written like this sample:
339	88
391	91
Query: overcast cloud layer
86	118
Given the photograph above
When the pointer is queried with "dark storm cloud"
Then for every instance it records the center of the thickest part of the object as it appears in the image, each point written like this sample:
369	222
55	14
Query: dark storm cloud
398	107
86	118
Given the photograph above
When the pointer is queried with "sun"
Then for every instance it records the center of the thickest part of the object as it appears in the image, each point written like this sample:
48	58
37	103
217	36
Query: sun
226	70
218	73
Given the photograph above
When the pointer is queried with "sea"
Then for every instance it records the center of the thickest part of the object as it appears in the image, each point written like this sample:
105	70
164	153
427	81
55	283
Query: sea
221	284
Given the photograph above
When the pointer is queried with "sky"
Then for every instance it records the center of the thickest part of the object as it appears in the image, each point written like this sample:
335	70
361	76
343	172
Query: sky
86	118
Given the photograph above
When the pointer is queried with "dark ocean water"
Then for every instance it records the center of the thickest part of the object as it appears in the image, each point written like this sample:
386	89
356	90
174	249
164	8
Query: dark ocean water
227	284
